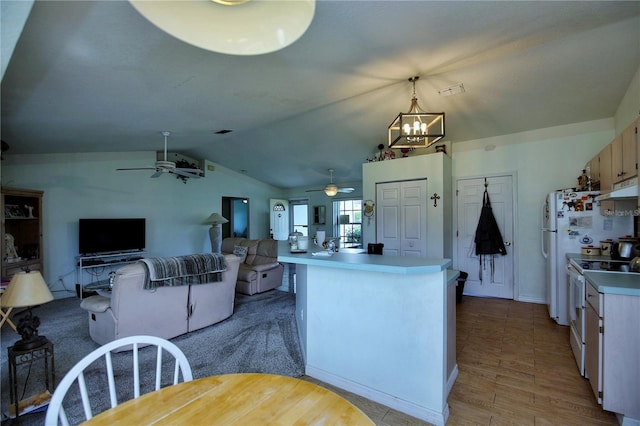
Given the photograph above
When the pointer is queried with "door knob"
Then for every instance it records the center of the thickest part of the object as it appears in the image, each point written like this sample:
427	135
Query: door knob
507	243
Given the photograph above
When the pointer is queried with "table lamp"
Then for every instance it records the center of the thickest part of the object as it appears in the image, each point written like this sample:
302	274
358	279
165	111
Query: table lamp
215	232
27	289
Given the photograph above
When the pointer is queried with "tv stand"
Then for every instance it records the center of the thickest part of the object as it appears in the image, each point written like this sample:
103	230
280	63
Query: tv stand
98	266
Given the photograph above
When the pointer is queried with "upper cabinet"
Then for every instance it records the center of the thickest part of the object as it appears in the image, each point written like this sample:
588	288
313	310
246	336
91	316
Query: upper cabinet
618	161
593	167
604	160
21	231
624	155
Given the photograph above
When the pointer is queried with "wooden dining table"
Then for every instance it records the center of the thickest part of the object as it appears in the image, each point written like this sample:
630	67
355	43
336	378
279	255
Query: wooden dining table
236	399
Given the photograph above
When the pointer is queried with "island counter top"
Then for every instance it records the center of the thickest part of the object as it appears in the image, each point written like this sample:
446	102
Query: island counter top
364	262
622	283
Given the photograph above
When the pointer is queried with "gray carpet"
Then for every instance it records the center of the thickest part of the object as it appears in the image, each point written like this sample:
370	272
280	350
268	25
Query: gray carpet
261	336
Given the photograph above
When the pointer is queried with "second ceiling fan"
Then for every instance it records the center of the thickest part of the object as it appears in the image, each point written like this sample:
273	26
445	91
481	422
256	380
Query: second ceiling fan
331	190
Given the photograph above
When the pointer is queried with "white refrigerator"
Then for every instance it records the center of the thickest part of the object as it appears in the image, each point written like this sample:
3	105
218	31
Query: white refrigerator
570	221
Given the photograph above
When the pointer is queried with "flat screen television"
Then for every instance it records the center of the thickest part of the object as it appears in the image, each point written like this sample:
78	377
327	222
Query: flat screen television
111	235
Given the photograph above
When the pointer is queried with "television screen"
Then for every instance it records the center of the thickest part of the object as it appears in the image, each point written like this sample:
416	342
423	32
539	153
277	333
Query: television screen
111	235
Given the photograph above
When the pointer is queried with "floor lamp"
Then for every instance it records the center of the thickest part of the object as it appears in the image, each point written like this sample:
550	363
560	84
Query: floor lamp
215	232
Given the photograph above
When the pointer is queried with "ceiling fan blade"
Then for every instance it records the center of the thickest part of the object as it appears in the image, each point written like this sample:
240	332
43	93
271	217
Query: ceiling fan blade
158	173
182	172
346	190
139	168
314	190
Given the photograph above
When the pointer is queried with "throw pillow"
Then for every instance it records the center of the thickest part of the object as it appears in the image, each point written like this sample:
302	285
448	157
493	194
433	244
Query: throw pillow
240	252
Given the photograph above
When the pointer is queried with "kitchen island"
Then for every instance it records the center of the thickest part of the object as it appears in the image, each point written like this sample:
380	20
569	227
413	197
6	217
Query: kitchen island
382	327
613	342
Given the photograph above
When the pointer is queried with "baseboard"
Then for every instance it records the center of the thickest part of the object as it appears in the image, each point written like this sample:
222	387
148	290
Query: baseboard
406	407
452	379
532	300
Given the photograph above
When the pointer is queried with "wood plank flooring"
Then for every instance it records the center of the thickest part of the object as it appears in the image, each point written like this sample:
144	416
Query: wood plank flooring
515	368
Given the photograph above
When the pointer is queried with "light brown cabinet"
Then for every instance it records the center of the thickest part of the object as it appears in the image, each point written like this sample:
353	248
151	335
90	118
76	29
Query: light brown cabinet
612	350
618	161
604	160
21	231
624	155
593	168
638	150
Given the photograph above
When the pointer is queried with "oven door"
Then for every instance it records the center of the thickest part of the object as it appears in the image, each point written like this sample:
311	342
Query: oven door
576	298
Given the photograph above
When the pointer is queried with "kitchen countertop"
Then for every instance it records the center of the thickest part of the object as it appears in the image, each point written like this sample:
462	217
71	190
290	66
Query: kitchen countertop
366	262
370	262
623	283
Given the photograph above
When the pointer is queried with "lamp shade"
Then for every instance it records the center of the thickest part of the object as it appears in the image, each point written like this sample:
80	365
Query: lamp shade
331	189
216	219
234	27
26	289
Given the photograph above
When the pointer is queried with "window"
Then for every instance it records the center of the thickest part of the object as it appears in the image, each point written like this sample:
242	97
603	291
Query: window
300	217
348	222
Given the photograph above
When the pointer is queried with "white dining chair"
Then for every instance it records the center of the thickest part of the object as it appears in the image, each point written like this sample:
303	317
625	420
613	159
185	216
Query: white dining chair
56	412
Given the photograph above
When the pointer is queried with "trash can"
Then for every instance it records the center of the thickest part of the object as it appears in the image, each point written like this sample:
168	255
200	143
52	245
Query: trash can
462	278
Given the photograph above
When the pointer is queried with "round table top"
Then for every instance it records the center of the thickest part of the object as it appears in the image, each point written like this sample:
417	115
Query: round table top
237	399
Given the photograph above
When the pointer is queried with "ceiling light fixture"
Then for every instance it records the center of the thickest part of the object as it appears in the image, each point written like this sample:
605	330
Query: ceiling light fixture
416	128
331	190
234	27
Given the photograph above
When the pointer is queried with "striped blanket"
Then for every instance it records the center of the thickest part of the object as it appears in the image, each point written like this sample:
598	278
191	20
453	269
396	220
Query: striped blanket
183	270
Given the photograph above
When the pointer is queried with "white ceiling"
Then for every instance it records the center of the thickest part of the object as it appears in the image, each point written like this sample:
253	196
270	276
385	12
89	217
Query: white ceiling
96	76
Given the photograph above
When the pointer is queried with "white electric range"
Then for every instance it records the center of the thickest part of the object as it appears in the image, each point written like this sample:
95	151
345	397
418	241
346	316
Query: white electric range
576	265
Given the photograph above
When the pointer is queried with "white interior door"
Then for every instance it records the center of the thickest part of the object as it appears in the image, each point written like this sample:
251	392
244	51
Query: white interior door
486	278
279	220
401	223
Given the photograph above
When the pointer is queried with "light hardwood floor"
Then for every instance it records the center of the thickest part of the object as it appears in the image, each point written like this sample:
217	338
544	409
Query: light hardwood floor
515	368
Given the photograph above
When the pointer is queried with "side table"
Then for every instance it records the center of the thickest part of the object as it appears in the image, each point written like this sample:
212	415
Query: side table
29	356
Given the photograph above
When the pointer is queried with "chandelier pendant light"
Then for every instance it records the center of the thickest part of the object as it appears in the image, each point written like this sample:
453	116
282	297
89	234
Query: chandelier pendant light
416	128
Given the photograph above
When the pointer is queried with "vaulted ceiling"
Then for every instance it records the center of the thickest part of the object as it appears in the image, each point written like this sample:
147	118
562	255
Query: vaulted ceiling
96	76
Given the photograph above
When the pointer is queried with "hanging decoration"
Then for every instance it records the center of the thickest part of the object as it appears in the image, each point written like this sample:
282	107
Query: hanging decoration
488	238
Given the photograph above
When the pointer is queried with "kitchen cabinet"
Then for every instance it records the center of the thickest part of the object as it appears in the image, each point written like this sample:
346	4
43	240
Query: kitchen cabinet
618	161
605	180
624	155
637	123
21	231
593	170
604	160
613	349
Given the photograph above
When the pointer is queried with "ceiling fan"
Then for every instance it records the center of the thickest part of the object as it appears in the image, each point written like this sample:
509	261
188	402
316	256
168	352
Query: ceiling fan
166	166
332	189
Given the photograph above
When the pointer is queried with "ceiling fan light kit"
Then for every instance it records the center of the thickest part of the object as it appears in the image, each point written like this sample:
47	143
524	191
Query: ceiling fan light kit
163	166
331	189
416	128
233	27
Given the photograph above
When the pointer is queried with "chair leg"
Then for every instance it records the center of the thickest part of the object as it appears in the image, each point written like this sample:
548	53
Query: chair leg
5	318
